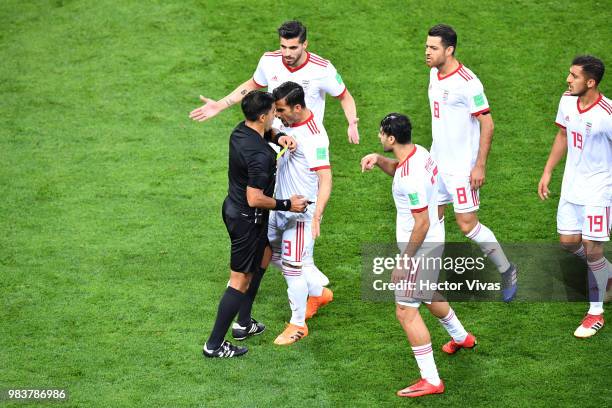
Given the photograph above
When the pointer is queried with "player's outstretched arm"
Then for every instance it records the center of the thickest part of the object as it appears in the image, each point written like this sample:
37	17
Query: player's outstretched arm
325	187
477	175
350	111
374	159
211	108
558	150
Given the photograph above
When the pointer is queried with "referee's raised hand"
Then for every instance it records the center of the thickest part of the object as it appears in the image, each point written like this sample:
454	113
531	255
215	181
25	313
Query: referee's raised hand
298	203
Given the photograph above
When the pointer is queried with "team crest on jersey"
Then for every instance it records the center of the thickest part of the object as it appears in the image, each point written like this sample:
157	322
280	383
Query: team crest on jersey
566	118
305	84
445	96
587	132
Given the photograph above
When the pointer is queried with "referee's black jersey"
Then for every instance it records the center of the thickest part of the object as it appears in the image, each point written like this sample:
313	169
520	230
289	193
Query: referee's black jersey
252	163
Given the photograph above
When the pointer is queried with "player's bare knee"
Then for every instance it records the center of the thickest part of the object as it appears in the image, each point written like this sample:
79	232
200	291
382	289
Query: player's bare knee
466	222
404	313
570	243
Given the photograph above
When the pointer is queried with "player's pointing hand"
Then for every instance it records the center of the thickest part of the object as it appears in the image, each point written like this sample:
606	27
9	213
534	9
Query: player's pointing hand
208	110
368	162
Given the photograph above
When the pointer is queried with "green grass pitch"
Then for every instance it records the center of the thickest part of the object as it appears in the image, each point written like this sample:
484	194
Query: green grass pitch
113	253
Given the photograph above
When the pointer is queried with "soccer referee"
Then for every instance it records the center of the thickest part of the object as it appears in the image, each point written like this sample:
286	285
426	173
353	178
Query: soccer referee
251	174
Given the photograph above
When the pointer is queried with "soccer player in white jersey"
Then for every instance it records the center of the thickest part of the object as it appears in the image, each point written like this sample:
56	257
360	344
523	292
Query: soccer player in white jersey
584	119
462	130
292	62
307	170
418	232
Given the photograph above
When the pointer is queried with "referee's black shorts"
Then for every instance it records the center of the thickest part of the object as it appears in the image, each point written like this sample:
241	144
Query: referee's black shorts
249	240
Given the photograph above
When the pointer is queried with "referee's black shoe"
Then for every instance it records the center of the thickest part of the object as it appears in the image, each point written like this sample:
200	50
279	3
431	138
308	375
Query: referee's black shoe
254	329
226	350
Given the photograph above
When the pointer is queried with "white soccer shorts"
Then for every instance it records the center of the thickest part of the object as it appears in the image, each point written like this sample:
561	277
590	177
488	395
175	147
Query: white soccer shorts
592	222
290	237
457	190
416	289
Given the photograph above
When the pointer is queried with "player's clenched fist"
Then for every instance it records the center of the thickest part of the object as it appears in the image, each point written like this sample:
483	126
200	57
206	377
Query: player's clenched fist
298	203
288	142
368	162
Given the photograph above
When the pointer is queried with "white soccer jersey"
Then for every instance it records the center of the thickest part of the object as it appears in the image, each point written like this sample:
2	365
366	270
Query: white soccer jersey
587	179
414	190
455	101
316	75
296	172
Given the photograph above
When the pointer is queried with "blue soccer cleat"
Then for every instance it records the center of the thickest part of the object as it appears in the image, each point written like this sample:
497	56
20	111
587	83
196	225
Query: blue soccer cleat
509	283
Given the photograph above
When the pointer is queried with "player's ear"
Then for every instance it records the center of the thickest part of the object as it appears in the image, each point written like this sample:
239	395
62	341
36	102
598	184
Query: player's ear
450	50
591	83
305	44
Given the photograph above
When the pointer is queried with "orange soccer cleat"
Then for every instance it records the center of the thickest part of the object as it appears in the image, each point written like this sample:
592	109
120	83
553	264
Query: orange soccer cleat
291	334
315	302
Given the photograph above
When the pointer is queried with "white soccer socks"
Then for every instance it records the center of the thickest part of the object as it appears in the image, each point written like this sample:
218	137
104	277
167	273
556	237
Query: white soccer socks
598	280
487	242
297	290
313	279
427	365
453	326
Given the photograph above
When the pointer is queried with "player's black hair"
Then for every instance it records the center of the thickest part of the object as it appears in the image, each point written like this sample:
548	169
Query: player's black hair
291	92
592	66
255	104
292	29
397	125
446	33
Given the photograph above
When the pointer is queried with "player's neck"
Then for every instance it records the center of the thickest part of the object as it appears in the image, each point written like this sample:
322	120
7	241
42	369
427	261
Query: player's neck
588	98
303	116
401	152
256	126
300	61
449	66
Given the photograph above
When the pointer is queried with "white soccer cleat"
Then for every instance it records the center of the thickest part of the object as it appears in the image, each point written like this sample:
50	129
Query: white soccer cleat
589	326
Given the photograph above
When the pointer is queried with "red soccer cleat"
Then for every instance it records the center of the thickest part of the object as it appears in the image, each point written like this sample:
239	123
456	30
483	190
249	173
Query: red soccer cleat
452	346
590	326
420	388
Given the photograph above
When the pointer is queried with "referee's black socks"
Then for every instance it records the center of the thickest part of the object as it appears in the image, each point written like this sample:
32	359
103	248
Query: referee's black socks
229	305
244	316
